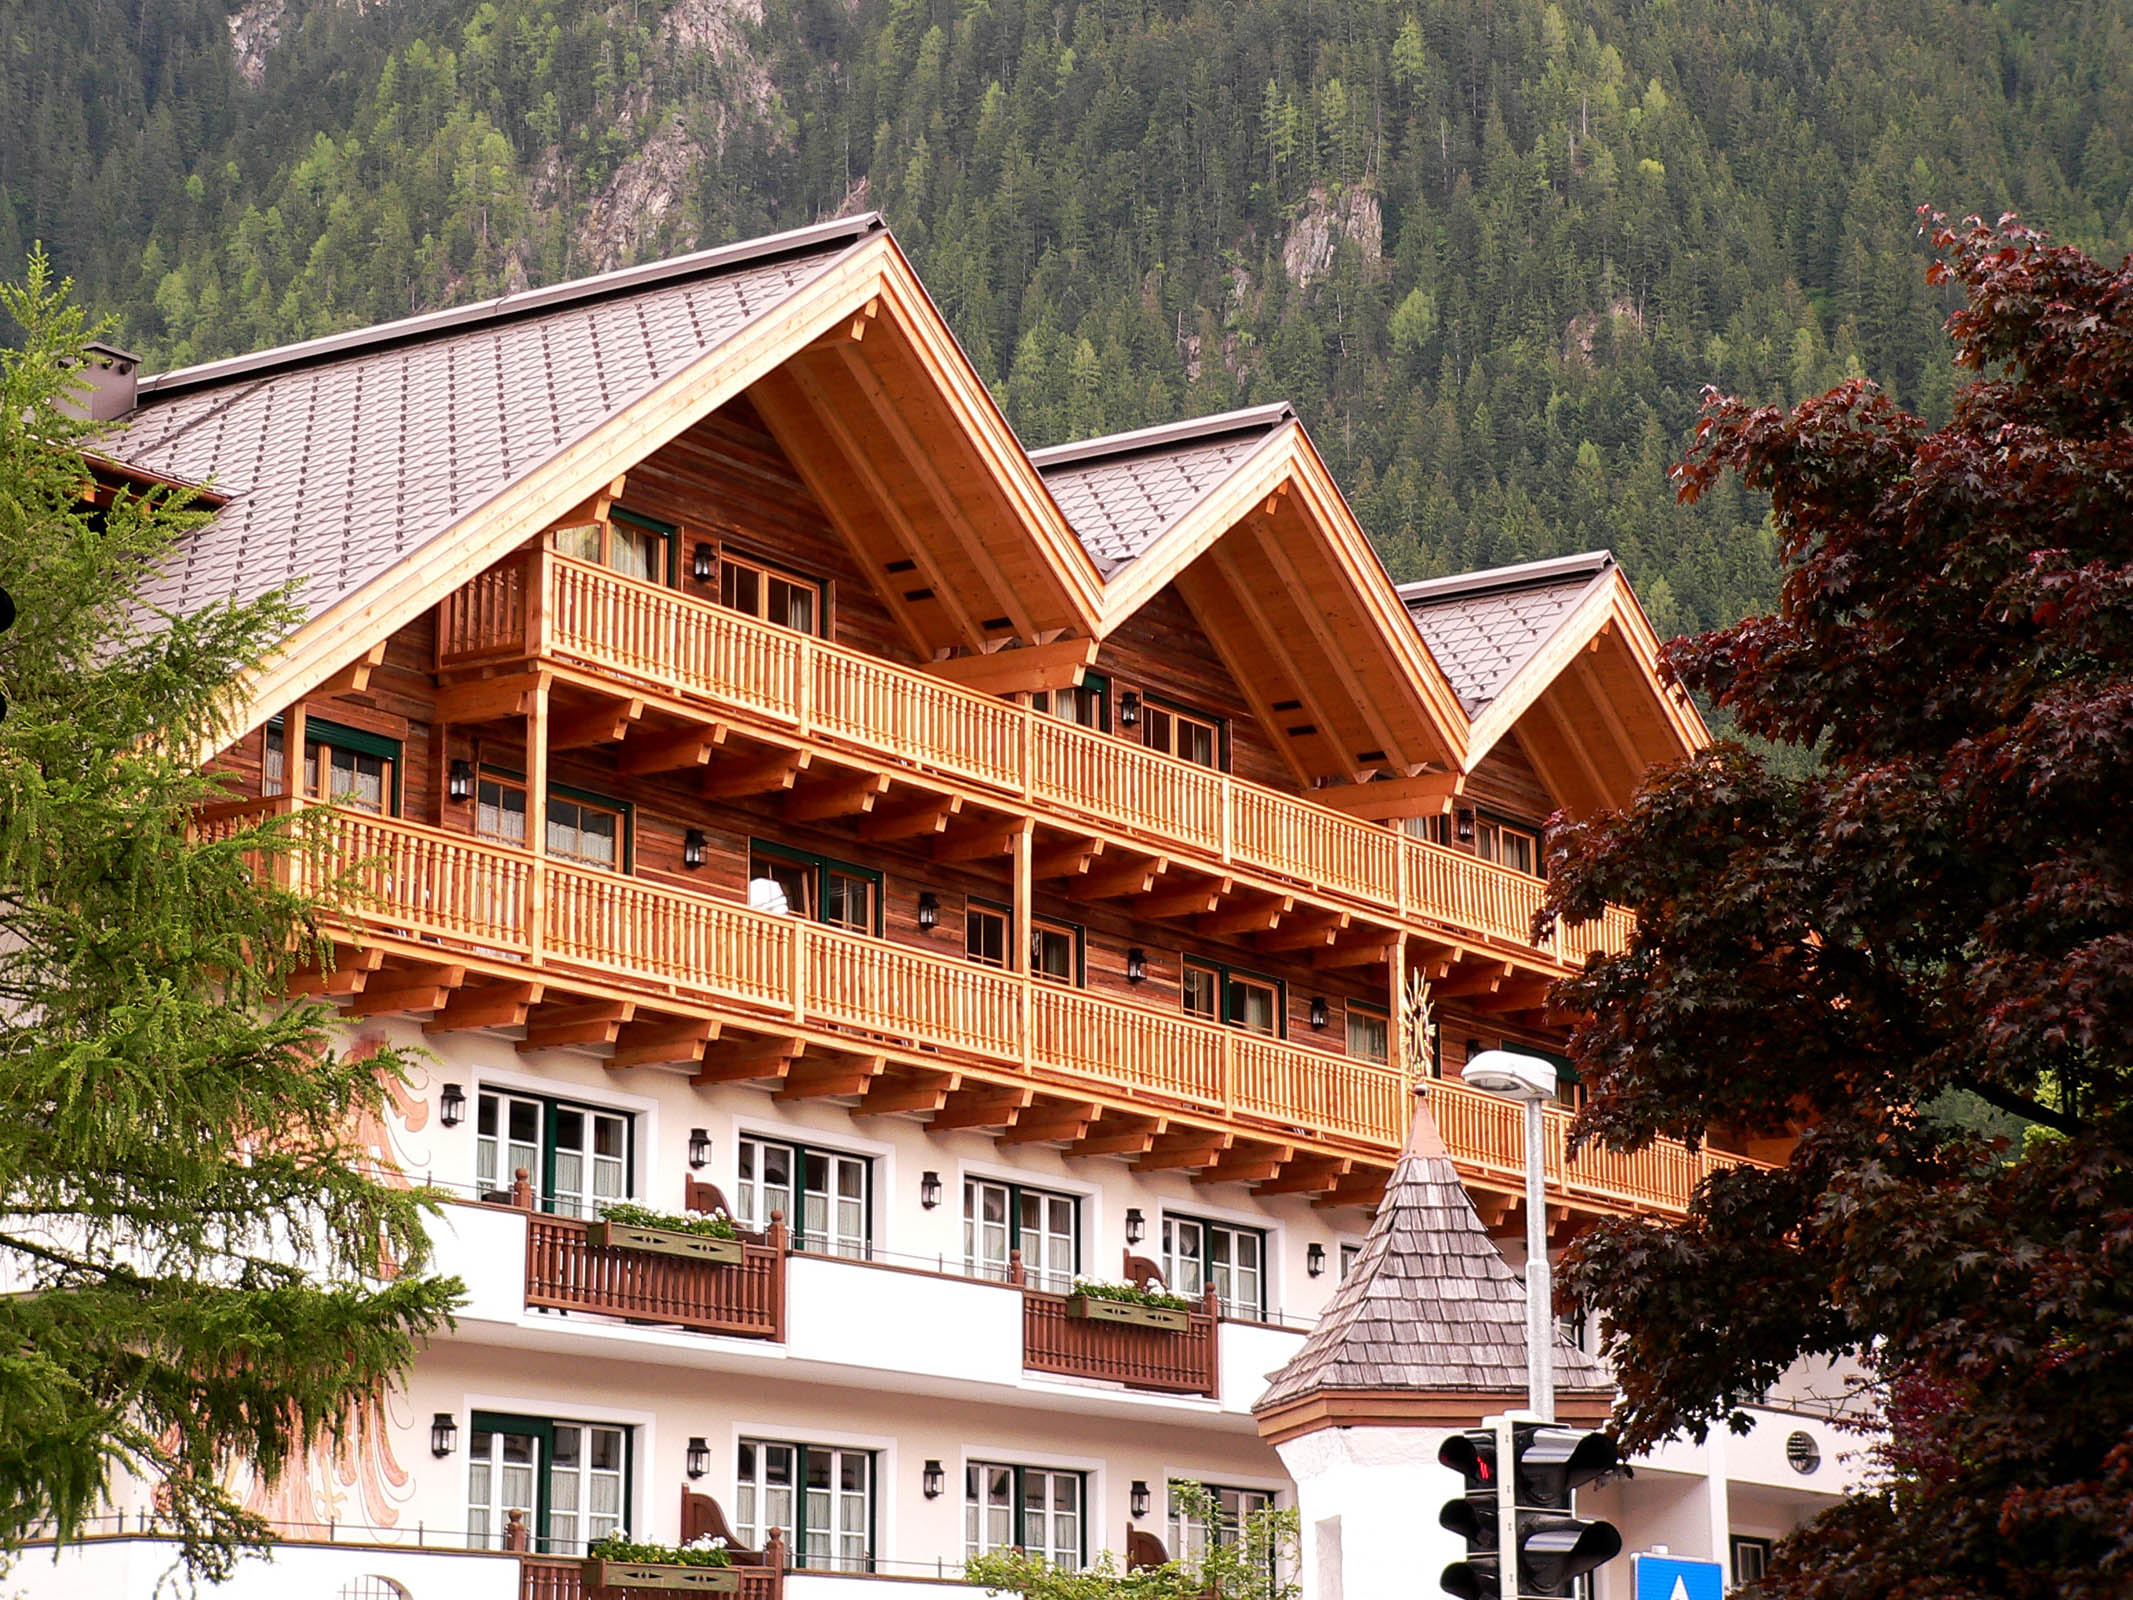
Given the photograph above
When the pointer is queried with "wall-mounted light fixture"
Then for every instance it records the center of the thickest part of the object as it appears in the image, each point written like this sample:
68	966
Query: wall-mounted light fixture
1315	1260
700	563
1129	709
699	1148
929	911
699	1458
1463	826
929	1190
1136	965
692	848
459	785
934	1480
1140	1498
452	1106
444	1434
1318	1011
1136	1226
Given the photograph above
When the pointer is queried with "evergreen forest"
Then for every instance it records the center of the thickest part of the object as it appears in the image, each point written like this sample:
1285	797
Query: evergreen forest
1494	250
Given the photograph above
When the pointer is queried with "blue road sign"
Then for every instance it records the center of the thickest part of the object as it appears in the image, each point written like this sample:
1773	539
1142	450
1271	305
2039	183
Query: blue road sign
1675	1578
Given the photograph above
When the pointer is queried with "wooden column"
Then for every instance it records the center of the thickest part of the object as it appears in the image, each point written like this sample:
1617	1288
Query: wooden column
1025	837
292	753
1396	1034
537	820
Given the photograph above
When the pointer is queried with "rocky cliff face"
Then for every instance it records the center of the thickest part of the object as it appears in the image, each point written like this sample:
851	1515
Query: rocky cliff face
1328	216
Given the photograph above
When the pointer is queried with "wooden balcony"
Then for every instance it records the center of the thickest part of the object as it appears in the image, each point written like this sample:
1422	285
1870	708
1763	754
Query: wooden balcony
563	1578
441	894
541	606
565	1271
1182	1361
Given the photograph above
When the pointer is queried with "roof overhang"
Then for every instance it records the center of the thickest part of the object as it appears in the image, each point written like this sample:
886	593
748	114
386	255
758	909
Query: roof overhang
1417	1408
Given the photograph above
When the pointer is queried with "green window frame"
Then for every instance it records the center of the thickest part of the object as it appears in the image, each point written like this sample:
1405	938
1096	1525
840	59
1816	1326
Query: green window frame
988	1241
495	1137
1229	995
1093	690
982	1508
1076	935
1000	920
1360	1011
811	1226
754	1514
823	867
543	1431
330	735
1189	1539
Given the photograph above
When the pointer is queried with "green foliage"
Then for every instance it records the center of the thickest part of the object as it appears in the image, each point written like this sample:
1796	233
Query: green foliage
716	1226
1130	1294
203	1274
1246	1567
1539	231
706	1552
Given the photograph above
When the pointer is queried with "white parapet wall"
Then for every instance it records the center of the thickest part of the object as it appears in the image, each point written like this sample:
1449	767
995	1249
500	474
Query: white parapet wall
137	1568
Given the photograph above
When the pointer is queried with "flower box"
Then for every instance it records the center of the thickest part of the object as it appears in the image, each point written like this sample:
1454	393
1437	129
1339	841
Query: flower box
1091	1309
665	1242
669	1576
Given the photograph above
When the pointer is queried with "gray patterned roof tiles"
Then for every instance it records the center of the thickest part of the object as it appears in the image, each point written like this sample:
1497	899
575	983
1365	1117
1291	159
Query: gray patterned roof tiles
1119	506
1482	627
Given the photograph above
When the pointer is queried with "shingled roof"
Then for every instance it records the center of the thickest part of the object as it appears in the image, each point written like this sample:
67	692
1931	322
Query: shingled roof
1429	1312
1120	493
1483	626
342	456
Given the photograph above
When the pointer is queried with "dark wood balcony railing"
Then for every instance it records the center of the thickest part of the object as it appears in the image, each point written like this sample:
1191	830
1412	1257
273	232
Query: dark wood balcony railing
1172	1361
563	1578
566	1271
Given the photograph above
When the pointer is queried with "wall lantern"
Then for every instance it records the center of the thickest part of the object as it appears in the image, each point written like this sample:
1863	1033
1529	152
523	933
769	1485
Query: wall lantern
699	1458
1136	1226
1129	709
692	849
1318	1011
452	1106
1315	1260
444	1434
1463	826
1136	965
459	786
935	1480
700	563
929	911
929	1190
699	1148
1140	1498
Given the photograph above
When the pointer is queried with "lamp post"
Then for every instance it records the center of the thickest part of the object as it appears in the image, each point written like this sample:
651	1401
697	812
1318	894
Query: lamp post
1528	1078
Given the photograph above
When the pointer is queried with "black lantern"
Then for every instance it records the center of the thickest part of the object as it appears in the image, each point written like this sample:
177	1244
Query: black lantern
1136	965
460	784
929	911
1136	1225
444	1434
692	849
1463	827
1315	1260
452	1106
1140	1498
935	1480
1129	709
929	1190
1318	1011
700	563
699	1458
699	1148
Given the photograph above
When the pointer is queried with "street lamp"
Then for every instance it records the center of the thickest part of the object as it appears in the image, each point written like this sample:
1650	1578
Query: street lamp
1528	1078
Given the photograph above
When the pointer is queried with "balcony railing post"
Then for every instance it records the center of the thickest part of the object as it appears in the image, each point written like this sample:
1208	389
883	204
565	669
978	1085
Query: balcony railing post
806	669
1228	791
802	963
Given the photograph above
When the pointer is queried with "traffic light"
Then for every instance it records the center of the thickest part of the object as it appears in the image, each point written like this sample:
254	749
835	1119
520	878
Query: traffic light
1554	1547
1475	1516
1529	1506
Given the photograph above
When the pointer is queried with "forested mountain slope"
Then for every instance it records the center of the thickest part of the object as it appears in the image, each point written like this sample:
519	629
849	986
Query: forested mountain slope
1492	248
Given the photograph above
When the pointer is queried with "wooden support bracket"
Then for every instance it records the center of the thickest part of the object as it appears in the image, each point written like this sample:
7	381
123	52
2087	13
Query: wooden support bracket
1069	860
491	1005
424	988
1054	1121
830	1076
577	1027
663	1041
1361	953
891	1096
1305	933
1120	1136
1251	1164
981	1106
1308	1175
355	677
488	699
736	779
927	817
607	723
1472	978
1252	916
1123	878
975	843
671	752
1193	1147
842	797
1187	900
738	1060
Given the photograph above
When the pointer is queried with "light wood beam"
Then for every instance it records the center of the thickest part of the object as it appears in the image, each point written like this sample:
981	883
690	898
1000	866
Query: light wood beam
981	1106
1363	953
1187	900
1472	978
1251	916
891	1096
1304	933
1307	1175
978	843
675	752
586	1026
603	724
355	677
1123	878
1428	794
1027	670
664	1042
1055	1121
1273	637
929	816
1114	1135
1247	1164
424	988
1068	860
831	1077
842	797
1196	1147
737	1060
736	777
492	1005
489	699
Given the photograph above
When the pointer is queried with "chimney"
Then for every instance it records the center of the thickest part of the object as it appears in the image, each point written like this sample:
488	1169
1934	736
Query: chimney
104	391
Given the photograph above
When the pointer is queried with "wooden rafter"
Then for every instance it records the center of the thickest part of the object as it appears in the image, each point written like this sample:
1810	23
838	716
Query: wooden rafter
1185	1147
608	723
1050	1122
1116	878
578	1026
738	1060
848	795
672	752
981	1106
919	1091
488	1005
1069	860
831	1076
663	1042
738	777
412	989
921	819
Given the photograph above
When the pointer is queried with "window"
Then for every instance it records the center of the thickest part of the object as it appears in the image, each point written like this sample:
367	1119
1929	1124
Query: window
821	1494
819	888
1513	847
985	934
1436	829
835	1214
1369	1037
1245	1000
588	831
341	764
1751	1558
1350	1253
570	1479
1190	1537
1089	705
769	595
999	1218
1197	1253
1055	951
578	1157
500	808
637	547
1184	734
1023	1508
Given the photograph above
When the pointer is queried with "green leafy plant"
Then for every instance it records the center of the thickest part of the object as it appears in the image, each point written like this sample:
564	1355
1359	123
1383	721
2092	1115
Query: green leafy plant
1129	1294
1250	1561
709	1551
716	1225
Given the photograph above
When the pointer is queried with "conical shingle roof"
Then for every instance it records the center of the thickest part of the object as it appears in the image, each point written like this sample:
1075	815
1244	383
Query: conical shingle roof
1429	1323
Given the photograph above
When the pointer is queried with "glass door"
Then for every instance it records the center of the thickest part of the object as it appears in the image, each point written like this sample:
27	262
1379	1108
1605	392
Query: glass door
503	1476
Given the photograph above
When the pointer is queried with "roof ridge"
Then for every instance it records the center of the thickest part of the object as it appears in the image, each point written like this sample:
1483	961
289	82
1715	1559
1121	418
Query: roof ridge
1526	574
509	307
1165	435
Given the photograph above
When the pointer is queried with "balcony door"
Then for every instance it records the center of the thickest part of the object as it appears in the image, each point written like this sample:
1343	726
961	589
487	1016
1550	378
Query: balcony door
578	1157
1000	1218
569	1481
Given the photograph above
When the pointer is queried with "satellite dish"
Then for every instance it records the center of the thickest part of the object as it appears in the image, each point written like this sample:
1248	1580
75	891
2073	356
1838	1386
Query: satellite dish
766	894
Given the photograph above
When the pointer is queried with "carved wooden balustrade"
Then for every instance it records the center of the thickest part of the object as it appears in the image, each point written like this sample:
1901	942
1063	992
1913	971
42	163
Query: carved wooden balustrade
563	1578
566	1271
1172	1361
